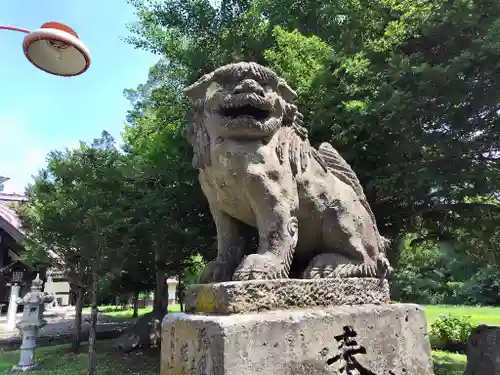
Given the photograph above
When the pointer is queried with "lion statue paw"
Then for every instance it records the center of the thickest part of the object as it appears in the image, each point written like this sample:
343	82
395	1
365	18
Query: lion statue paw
216	271
258	267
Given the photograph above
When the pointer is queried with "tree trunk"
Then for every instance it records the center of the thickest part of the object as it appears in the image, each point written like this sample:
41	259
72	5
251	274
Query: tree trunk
180	292
92	333
130	301
159	305
136	305
117	303
77	330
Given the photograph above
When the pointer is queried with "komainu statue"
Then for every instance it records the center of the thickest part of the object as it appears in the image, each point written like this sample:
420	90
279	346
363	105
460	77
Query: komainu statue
257	167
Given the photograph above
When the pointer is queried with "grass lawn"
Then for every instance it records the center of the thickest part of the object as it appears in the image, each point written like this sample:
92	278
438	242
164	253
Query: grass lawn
58	360
479	315
448	363
116	312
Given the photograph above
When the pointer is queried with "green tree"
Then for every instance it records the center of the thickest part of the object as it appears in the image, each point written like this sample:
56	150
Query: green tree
166	197
412	115
189	276
136	276
407	91
75	208
167	205
431	272
156	122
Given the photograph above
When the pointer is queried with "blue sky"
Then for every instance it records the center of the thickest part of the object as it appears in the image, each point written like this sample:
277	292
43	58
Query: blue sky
40	112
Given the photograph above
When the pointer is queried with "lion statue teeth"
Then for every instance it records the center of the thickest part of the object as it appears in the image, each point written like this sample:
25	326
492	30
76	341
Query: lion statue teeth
257	168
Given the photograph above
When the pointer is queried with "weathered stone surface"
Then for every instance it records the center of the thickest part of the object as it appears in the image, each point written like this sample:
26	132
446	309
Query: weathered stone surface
257	167
144	333
263	295
483	351
390	340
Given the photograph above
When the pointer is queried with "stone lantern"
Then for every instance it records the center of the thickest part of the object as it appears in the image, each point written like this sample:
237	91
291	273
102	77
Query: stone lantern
30	323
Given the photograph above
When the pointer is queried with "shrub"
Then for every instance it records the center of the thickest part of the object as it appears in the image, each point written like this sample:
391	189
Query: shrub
483	288
450	333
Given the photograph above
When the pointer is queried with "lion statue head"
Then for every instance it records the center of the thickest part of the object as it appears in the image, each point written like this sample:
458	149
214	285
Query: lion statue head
241	101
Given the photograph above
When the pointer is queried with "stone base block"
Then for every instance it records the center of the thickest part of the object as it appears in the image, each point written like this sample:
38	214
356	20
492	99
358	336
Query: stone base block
483	351
263	295
363	340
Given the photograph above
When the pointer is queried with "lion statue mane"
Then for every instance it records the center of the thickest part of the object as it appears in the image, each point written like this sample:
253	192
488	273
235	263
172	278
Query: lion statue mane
257	168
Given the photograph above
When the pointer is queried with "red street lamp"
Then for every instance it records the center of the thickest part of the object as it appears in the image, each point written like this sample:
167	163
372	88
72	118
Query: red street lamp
55	49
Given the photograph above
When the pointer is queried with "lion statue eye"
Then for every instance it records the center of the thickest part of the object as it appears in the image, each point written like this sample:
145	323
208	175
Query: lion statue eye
212	89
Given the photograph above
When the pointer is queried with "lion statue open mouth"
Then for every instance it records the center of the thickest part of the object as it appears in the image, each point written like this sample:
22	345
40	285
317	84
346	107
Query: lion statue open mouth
257	168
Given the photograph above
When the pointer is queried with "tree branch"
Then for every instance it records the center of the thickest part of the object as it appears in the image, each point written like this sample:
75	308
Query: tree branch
459	208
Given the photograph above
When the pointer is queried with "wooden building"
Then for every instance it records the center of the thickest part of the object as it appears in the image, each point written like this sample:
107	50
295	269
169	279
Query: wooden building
11	248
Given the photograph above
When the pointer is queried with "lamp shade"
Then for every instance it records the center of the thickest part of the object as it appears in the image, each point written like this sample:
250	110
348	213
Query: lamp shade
56	49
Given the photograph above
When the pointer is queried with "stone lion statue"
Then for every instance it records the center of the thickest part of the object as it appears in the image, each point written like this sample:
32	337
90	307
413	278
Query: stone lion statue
257	167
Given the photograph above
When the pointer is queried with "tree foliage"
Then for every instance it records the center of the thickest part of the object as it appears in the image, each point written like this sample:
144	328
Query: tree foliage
167	198
75	209
74	217
407	91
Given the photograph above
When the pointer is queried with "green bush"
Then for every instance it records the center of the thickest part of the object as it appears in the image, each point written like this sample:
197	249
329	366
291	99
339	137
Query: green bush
450	332
483	288
416	288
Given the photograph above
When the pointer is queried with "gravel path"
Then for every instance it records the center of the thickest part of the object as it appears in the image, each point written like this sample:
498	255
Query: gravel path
60	328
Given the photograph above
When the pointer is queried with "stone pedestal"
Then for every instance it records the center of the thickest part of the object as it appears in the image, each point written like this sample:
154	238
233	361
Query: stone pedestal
358	339
483	351
267	295
28	346
369	339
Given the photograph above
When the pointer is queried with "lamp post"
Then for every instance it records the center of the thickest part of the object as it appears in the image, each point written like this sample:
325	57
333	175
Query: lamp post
54	48
15	287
